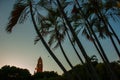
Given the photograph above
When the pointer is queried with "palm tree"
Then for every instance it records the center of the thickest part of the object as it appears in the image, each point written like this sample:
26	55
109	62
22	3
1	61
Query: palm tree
17	14
51	20
104	21
74	48
77	40
103	53
114	14
43	41
100	16
55	33
89	36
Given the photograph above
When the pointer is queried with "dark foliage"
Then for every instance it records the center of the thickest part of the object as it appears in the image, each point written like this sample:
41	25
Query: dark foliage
100	68
15	15
45	74
14	73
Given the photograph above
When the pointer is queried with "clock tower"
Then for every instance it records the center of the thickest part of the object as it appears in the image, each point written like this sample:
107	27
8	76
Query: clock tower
39	67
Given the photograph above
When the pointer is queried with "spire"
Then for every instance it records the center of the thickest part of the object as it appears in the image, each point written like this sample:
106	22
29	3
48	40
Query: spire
39	66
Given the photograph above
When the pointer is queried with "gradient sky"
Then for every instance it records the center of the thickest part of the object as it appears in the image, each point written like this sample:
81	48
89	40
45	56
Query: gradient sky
18	49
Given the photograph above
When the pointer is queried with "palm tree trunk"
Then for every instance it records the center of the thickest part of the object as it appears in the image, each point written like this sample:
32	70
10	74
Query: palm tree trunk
101	17
61	47
74	48
44	42
111	38
72	43
78	42
86	67
103	56
113	42
108	68
68	61
114	33
113	77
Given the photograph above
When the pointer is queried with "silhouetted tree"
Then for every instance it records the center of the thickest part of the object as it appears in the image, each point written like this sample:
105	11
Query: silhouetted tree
14	73
45	75
100	68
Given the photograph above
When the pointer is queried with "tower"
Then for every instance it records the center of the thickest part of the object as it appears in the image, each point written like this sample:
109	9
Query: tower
39	67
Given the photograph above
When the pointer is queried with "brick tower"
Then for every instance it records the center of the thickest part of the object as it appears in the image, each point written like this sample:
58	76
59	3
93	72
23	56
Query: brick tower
39	67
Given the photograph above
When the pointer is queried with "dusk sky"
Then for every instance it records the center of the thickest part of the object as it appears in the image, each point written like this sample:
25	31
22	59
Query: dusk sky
18	49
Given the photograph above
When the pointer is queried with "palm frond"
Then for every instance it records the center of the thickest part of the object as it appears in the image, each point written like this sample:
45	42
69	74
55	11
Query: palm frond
87	35
40	18
66	4
45	3
36	40
15	15
24	15
56	45
51	40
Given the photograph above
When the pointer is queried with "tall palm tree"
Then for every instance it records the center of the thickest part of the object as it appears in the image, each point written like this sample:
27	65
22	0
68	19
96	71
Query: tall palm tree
17	14
45	44
43	41
55	33
89	36
51	20
103	53
77	40
104	21
113	7
100	16
71	41
74	48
